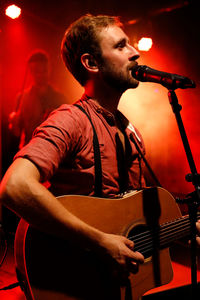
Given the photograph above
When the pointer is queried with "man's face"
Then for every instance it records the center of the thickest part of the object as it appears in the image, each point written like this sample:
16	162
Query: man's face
40	72
118	59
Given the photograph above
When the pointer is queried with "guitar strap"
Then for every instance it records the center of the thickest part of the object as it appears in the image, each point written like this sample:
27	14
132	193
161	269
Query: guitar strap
145	161
97	158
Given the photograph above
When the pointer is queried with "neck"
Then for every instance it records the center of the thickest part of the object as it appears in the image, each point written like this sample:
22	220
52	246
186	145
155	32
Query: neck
106	96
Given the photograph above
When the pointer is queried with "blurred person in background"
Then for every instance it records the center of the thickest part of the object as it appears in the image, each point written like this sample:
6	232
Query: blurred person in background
36	102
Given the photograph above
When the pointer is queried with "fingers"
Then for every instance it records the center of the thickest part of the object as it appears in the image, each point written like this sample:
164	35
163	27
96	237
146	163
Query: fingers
121	254
198	232
129	243
131	261
198	241
198	226
130	264
134	256
138	257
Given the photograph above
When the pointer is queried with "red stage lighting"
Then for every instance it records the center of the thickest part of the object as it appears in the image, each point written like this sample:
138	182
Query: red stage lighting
145	44
13	11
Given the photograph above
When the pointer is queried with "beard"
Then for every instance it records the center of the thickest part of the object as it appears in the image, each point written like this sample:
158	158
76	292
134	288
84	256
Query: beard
120	80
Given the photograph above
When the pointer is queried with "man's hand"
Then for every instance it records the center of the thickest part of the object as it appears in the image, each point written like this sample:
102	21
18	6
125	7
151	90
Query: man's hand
119	252
198	232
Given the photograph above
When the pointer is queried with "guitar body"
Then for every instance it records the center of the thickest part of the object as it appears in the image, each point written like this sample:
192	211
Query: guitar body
49	268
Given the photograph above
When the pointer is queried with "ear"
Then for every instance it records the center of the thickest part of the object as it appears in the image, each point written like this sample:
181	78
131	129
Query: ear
89	62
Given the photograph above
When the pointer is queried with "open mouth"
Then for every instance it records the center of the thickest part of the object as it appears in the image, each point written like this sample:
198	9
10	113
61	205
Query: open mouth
133	67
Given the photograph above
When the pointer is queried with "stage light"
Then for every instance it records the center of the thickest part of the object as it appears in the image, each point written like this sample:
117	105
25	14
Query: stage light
13	11
145	44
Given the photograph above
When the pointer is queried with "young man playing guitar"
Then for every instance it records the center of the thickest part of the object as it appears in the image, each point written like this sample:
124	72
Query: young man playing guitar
97	52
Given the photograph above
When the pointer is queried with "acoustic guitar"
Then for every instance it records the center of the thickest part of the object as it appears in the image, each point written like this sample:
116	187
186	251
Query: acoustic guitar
49	268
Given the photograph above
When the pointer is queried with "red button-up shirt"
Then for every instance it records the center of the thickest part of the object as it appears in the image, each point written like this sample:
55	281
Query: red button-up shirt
66	139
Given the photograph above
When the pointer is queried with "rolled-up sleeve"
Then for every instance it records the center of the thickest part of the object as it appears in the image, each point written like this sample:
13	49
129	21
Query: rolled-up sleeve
51	142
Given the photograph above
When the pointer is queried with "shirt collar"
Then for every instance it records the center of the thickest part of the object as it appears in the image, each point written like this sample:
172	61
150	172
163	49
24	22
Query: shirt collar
109	117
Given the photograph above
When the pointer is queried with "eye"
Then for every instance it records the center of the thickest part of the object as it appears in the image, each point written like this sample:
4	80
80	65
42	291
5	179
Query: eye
121	44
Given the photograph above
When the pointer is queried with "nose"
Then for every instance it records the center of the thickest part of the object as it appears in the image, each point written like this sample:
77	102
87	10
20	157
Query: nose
134	54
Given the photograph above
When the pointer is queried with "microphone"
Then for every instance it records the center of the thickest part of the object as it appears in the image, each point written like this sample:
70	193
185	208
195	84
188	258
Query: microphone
168	80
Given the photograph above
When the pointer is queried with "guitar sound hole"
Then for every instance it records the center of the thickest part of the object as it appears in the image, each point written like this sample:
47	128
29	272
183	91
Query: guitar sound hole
142	238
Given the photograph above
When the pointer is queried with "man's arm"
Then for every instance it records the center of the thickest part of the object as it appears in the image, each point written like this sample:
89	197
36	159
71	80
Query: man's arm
22	192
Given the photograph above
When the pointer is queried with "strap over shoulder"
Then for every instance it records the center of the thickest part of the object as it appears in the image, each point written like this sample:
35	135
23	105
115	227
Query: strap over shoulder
97	157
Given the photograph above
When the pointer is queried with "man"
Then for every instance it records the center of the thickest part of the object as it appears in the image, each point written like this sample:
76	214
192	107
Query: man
97	52
37	101
102	63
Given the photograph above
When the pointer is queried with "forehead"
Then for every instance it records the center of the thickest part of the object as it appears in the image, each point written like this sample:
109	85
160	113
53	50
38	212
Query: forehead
111	35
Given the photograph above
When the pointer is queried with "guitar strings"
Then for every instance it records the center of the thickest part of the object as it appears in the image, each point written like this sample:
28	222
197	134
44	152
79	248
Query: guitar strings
158	237
162	241
150	246
141	236
163	228
162	238
156	240
170	225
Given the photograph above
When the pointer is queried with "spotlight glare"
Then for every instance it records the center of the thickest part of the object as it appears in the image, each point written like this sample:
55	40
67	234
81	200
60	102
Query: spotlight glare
145	44
13	11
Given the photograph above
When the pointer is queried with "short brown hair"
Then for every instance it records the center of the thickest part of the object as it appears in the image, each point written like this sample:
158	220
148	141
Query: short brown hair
82	37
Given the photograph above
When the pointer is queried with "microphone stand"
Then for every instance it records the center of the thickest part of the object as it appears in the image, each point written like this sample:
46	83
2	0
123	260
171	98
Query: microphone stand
192	199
